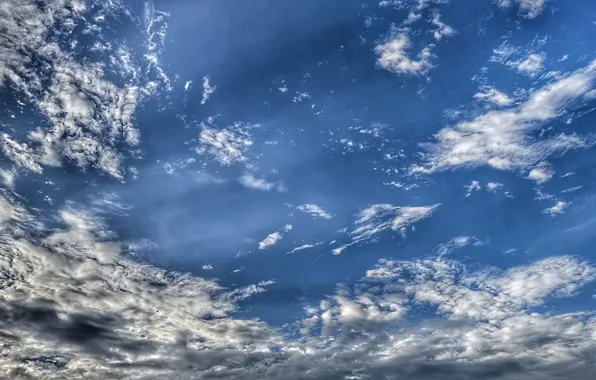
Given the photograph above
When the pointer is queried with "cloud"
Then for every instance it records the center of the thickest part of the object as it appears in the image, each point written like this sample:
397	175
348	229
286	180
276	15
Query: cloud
73	307
315	211
225	146
529	8
393	56
472	187
533	64
250	181
557	209
541	174
502	138
88	116
208	90
270	240
381	217
493	96
442	30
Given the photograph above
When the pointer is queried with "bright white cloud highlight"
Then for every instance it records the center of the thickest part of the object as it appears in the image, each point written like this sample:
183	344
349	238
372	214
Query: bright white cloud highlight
315	211
394	57
501	138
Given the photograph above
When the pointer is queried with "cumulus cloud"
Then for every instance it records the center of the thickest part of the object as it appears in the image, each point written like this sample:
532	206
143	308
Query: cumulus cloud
541	174
274	238
493	186
225	146
472	187
502	138
315	211
532	65
557	209
88	116
492	96
73	307
529	8
394	56
251	181
442	29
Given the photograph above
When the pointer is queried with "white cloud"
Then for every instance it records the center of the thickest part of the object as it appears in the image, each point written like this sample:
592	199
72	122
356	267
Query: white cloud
88	115
472	187
250	181
270	240
529	8
442	30
493	96
557	209
315	211
70	298
493	186
393	56
532	65
225	146
541	174
501	138
187	85
208	90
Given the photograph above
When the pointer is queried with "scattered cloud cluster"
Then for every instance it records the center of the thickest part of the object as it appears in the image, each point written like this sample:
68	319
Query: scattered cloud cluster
557	209
475	186
88	116
226	146
74	307
503	138
492	96
529	8
394	54
273	238
208	89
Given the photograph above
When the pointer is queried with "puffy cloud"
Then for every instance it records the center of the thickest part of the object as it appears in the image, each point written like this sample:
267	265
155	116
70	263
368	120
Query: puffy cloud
88	116
225	146
493	96
529	8
73	307
557	209
502	138
315	211
270	240
533	64
442	30
394	57
472	187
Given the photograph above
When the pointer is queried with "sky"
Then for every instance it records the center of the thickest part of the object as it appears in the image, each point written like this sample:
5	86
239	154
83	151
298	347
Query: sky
297	189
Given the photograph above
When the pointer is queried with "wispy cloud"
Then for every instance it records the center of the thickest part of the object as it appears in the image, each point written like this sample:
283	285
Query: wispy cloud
208	89
315	211
501	138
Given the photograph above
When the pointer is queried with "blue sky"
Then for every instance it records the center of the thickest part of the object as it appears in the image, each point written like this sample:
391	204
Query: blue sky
312	189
